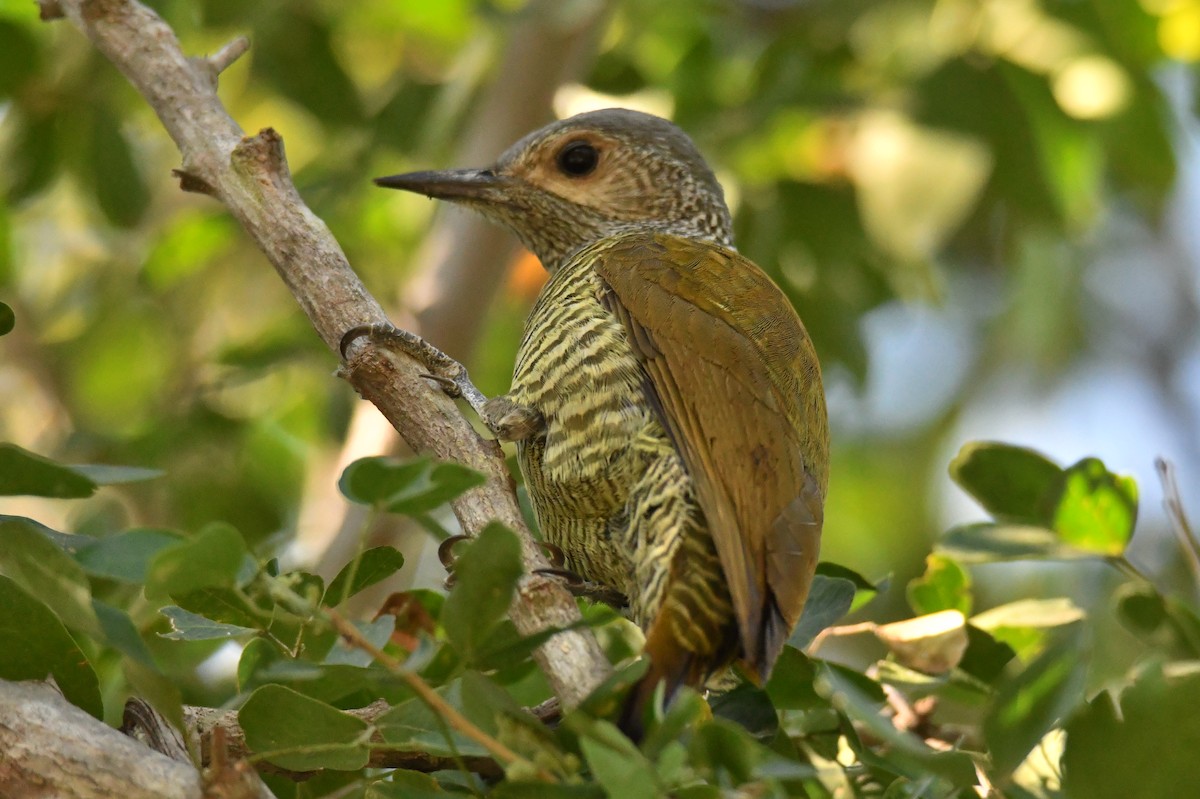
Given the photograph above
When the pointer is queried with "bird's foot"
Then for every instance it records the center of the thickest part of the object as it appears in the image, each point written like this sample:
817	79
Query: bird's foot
594	592
450	375
509	421
445	553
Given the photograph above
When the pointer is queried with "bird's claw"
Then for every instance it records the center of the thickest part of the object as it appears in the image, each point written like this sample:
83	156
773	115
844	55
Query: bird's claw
356	332
553	553
449	387
450	375
445	550
445	553
586	588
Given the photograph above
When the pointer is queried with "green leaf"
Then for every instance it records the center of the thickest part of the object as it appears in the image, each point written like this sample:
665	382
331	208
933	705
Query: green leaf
121	634
1012	483
406	486
1141	609
487	704
373	481
40	567
985	657
24	473
684	712
34	644
933	643
1025	624
1164	622
861	699
8	319
1145	750
944	586
263	663
372	567
222	605
986	543
404	784
1070	158
1042	613
722	747
508	653
120	190
829	599
298	733
188	626
19	57
617	764
956	686
1027	707
864	589
300	60
791	683
35	153
257	654
211	558
609	697
510	789
376	632
446	481
750	708
486	575
70	543
413	726
124	557
106	475
1096	509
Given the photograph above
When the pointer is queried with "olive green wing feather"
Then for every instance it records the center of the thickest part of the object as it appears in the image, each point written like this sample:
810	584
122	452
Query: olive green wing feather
736	383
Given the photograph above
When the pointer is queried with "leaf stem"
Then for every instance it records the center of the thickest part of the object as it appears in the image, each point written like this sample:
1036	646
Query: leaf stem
431	697
1123	565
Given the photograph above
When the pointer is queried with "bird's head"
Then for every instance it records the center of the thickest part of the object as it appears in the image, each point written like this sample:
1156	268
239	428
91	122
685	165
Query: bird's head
584	178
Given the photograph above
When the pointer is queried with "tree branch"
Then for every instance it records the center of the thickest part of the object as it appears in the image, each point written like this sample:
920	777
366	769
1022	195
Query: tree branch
250	176
49	747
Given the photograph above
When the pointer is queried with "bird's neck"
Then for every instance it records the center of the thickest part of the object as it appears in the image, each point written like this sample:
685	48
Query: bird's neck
554	259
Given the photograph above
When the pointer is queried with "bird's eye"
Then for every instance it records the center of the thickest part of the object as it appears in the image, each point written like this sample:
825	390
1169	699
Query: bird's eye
578	158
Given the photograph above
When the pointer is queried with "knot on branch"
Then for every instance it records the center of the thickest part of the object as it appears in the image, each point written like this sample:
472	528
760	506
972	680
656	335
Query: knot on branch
50	10
193	183
92	10
262	155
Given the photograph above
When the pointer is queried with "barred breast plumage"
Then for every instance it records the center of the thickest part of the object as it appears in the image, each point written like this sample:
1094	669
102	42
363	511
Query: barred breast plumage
606	484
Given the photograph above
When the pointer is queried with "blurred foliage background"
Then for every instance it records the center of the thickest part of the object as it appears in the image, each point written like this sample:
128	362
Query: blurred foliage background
984	211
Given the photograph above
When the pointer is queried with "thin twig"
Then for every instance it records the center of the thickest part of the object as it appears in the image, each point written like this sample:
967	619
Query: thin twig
1178	516
431	697
224	58
1126	567
203	721
837	632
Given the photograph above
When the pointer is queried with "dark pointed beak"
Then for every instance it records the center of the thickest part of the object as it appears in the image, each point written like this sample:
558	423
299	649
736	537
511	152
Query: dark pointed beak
452	184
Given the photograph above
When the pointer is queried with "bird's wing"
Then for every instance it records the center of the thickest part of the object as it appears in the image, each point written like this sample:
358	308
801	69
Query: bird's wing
735	380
